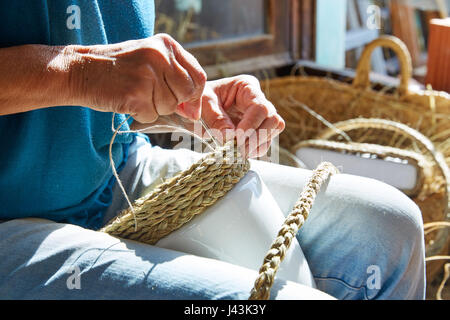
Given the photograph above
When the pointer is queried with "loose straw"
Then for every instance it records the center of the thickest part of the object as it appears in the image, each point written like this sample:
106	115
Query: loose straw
297	103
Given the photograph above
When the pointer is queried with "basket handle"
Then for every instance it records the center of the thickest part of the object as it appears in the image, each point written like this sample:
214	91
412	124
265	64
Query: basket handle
362	80
293	222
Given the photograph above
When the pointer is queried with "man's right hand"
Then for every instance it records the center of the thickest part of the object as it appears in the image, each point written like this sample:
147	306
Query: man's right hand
145	78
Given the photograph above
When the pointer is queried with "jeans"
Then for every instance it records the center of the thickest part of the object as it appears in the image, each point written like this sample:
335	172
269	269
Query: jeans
362	240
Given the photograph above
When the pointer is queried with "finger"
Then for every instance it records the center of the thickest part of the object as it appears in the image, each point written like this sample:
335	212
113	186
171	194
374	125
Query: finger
141	104
179	81
164	99
261	150
190	110
193	109
252	118
180	110
187	87
144	112
188	62
193	68
216	118
269	129
186	77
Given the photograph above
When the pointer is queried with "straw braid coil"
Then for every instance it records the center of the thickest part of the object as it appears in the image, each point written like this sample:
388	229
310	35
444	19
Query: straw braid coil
181	198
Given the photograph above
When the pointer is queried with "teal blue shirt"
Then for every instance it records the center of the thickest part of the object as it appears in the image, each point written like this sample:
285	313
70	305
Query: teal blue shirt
54	162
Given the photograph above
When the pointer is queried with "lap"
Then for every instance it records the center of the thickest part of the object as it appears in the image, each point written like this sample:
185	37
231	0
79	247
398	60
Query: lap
46	260
355	223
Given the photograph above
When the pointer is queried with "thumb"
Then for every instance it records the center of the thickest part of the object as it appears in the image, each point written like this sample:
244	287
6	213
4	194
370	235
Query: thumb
190	109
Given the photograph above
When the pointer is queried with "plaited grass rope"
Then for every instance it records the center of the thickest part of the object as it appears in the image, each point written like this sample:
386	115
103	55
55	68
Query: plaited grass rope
179	199
290	227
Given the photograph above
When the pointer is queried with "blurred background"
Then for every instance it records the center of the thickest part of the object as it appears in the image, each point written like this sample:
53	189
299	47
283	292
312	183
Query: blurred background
267	37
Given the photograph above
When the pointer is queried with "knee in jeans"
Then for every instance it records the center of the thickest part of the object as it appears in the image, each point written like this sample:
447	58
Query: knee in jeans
390	211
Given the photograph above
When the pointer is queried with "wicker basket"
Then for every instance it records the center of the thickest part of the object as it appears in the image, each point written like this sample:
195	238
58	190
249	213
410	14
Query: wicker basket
310	105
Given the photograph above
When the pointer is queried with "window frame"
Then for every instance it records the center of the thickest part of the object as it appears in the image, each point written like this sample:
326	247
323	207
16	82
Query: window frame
277	47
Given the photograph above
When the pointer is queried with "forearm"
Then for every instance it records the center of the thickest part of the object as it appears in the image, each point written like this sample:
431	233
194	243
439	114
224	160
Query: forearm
33	77
146	78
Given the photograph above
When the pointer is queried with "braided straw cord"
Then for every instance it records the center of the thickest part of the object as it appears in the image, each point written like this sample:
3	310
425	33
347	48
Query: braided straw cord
362	80
178	200
293	222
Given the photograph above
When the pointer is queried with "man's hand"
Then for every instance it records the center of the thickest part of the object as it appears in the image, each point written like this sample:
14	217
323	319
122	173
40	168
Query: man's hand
145	78
237	105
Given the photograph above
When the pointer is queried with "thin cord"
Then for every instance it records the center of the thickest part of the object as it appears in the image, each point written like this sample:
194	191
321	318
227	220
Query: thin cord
113	166
297	103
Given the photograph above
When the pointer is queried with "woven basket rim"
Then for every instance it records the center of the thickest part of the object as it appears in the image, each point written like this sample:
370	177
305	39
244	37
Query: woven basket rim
312	80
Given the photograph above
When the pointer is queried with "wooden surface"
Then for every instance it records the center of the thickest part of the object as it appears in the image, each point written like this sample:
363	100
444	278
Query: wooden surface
273	45
404	27
307	25
438	66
